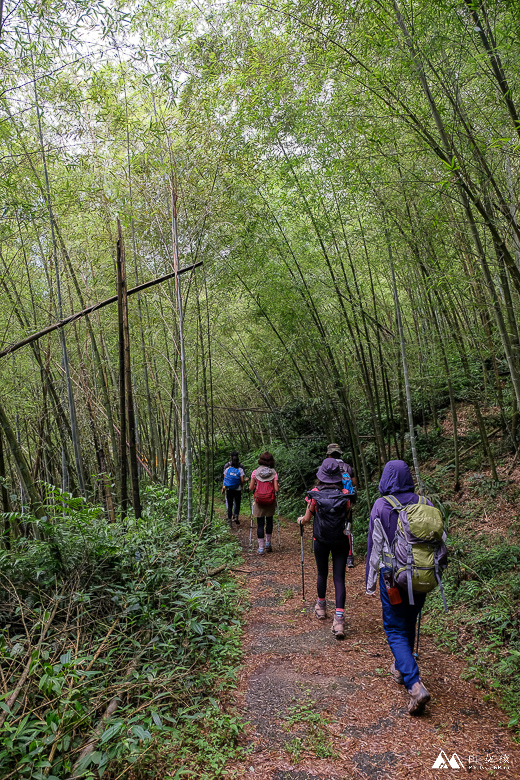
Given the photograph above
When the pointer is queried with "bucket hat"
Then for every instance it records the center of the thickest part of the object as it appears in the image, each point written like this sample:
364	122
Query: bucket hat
264	474
329	471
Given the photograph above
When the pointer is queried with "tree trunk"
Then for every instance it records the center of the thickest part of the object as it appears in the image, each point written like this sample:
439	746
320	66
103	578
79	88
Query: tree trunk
6	506
123	462
23	469
405	365
130	411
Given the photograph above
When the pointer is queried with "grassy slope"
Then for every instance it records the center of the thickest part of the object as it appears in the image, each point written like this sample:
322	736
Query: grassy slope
135	613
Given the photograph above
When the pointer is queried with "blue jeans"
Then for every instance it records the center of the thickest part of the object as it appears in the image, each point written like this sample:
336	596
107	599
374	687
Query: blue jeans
399	623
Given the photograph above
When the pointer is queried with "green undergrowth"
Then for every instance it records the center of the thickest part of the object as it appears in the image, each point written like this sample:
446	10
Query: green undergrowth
121	635
313	735
482	588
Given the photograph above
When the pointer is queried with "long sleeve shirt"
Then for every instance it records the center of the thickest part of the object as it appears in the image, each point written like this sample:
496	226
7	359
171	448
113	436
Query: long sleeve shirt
381	533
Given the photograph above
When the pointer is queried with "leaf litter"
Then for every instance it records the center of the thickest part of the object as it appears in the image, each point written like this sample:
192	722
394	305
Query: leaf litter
293	664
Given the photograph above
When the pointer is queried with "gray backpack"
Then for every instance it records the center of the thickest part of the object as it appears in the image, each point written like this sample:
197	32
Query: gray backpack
418	551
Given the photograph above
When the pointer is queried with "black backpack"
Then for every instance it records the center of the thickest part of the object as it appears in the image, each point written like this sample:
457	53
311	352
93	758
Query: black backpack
330	520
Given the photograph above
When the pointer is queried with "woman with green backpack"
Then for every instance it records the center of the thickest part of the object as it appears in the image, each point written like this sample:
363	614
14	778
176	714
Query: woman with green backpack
407	554
264	485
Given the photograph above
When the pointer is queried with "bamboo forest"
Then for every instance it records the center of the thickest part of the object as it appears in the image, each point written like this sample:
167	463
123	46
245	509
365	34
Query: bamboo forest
253	246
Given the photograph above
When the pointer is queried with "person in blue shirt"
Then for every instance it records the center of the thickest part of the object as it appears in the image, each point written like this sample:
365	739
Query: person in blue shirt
233	491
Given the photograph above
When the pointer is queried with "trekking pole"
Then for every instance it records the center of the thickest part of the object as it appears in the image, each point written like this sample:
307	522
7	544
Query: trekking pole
278	520
416	654
251	527
226	501
303	577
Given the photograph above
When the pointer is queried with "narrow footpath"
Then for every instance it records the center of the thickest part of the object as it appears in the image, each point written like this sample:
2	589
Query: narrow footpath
321	708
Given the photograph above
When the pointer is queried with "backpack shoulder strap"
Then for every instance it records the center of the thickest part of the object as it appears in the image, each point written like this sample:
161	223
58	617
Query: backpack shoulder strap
394	502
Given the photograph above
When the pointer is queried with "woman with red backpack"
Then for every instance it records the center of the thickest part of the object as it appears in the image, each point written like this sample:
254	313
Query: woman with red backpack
264	484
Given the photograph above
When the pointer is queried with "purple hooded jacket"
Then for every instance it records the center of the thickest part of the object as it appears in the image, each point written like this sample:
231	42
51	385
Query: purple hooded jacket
397	481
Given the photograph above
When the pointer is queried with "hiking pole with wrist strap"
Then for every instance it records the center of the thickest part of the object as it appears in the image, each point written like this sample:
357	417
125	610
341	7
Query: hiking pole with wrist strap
303	577
278	520
226	503
251	527
416	654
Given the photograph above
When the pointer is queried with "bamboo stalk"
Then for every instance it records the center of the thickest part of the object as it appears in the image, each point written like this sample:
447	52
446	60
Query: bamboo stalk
123	463
404	363
186	466
130	411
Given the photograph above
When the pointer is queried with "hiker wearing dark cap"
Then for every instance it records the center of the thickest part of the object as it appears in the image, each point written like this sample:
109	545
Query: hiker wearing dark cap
401	603
328	505
232	487
335	451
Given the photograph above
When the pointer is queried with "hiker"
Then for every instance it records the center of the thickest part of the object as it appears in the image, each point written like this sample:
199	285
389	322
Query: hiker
328	503
231	455
350	483
393	559
232	486
264	485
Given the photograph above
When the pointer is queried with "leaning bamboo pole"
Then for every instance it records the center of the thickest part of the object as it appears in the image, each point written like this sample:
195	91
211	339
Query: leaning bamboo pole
95	307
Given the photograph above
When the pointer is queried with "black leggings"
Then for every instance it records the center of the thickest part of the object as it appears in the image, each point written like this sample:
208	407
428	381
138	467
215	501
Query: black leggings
260	526
340	551
233	496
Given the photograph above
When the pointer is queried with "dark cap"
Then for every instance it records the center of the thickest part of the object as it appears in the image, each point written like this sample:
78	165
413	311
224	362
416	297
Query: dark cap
329	471
334	448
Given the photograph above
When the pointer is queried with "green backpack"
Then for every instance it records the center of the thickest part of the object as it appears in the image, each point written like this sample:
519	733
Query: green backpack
418	552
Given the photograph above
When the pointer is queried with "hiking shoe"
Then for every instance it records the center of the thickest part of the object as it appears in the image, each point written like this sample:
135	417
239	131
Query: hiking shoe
268	547
237	521
320	610
419	698
260	551
338	627
396	674
350	562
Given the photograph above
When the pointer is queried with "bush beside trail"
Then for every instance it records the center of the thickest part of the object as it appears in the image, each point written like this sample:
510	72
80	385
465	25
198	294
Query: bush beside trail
116	641
482	587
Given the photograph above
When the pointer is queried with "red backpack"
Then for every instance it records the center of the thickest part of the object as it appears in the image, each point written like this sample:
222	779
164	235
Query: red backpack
264	493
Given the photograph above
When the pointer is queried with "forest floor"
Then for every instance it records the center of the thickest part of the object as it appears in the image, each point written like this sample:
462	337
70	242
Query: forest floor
316	707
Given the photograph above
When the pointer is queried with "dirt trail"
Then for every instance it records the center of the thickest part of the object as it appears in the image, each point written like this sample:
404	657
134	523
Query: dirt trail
293	661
